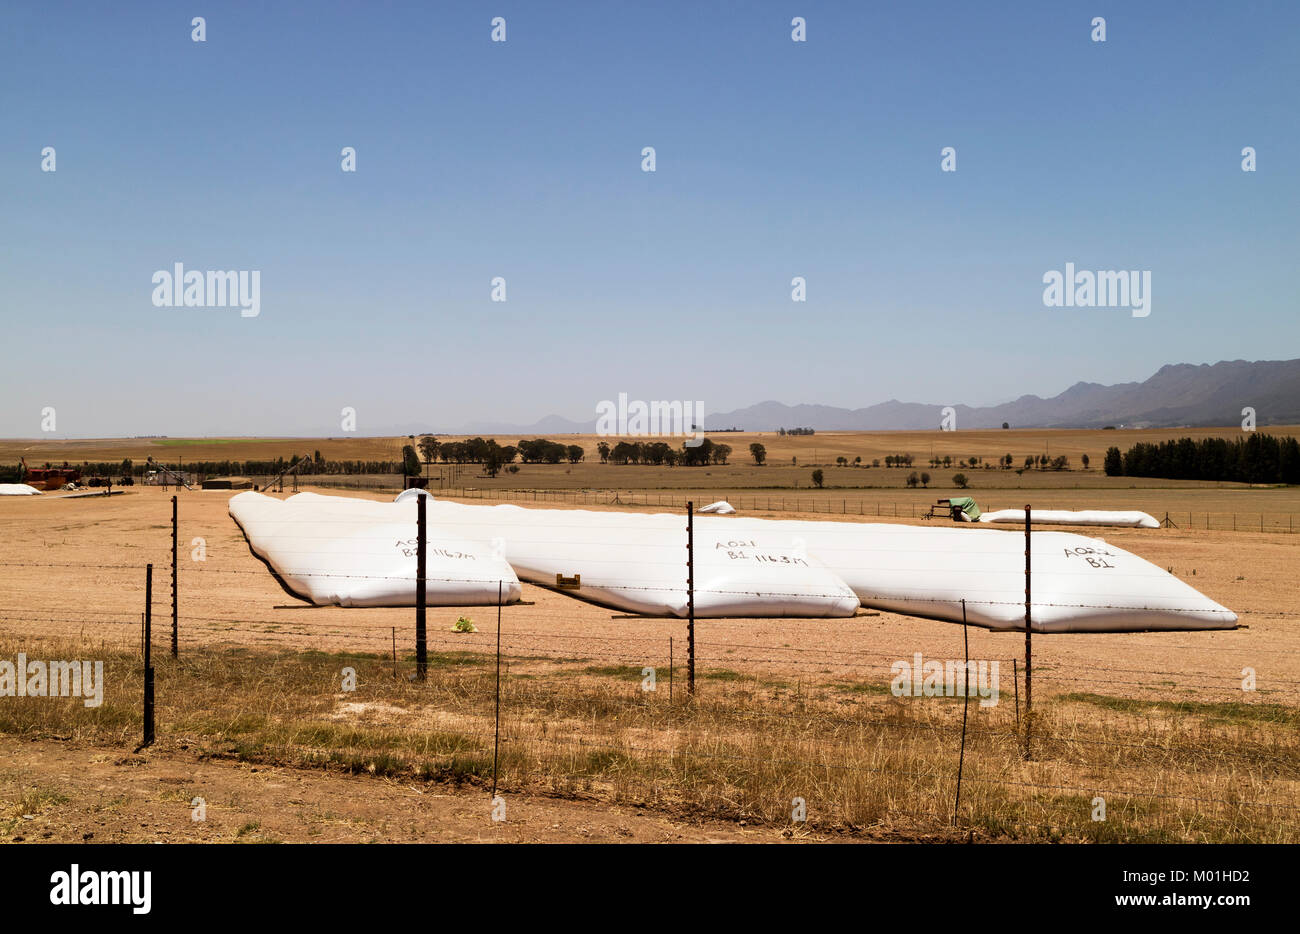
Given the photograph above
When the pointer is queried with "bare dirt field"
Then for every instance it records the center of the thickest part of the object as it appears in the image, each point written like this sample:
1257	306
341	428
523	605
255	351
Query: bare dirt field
231	595
58	792
1158	721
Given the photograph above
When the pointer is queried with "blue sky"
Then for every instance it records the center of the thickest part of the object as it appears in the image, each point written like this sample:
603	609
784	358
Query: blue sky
522	159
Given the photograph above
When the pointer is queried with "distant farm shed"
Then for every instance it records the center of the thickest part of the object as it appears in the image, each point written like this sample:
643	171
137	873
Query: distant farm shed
228	483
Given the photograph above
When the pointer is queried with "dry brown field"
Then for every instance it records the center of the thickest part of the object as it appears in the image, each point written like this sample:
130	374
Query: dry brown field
819	449
1158	724
782	486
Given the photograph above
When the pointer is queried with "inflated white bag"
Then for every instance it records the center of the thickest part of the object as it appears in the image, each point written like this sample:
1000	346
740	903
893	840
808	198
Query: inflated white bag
333	549
1122	519
1079	584
18	489
637	562
764	567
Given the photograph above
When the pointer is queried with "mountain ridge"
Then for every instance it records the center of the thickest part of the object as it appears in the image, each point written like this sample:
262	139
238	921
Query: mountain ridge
1176	395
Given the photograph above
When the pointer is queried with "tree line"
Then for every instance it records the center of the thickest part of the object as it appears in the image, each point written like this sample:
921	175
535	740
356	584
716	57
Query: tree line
1254	459
660	453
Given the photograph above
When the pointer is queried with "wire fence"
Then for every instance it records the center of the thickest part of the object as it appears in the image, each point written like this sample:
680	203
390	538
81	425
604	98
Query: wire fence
809	502
856	733
834	503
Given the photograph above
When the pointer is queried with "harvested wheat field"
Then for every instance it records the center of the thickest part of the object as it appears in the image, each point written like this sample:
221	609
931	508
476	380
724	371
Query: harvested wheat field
793	730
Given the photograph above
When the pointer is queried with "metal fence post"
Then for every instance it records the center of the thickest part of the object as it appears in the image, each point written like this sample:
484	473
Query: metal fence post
690	598
176	594
496	743
1029	644
421	641
965	704
148	666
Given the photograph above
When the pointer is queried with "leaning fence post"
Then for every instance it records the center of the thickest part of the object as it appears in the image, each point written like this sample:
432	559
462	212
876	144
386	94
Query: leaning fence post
965	703
1029	645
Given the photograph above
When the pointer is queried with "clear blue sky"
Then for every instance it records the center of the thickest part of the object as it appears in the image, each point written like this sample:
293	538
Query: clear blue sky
775	159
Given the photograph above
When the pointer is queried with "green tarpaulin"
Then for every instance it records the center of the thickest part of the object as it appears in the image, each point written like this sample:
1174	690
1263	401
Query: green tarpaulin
966	505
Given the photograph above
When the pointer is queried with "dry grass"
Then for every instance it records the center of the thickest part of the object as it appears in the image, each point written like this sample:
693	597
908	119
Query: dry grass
862	759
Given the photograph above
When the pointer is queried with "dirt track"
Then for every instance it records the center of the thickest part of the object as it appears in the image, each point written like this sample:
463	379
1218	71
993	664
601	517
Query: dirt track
53	792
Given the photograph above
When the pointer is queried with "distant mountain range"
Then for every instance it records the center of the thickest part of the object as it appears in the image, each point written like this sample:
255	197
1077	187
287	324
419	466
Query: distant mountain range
1177	395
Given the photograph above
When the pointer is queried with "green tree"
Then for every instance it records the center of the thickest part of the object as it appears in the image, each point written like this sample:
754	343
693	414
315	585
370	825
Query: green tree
913	479
1084	458
410	461
925	480
960	481
1114	463
758	452
493	459
429	449
817	478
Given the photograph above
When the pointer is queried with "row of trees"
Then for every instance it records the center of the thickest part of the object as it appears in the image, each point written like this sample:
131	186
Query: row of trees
913	479
485	451
225	468
660	453
544	451
1253	459
1006	462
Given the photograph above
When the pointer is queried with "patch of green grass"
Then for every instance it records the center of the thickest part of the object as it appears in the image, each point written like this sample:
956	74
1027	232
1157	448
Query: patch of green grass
864	687
727	675
1226	711
383	763
312	655
626	672
605	761
457	659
